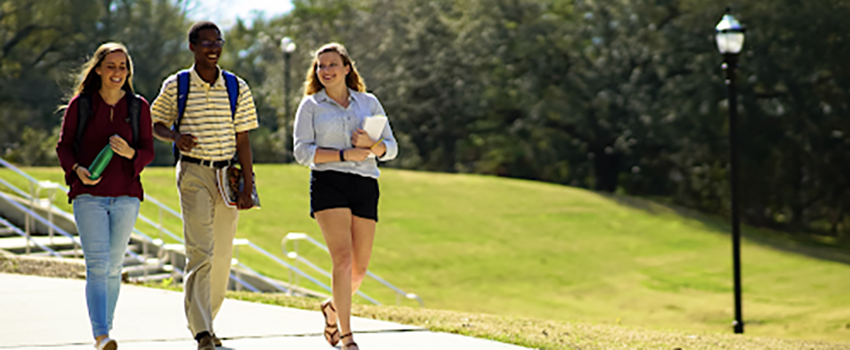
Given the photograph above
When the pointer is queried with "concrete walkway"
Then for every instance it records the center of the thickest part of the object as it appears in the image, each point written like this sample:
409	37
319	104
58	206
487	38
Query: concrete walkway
50	313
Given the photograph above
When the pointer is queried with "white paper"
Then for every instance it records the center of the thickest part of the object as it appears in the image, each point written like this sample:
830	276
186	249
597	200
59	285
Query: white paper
374	126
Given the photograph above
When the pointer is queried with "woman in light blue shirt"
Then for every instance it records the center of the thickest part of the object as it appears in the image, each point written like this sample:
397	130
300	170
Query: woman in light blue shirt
329	137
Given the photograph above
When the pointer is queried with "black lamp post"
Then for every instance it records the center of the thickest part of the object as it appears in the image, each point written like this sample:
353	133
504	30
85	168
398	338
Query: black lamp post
288	47
730	40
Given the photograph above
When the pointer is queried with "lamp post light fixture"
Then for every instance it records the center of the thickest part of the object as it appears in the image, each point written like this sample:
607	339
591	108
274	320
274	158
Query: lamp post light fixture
730	39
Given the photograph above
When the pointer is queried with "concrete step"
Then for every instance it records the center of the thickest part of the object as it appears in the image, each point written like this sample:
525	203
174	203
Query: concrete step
139	270
66	253
156	278
19	243
131	261
71	253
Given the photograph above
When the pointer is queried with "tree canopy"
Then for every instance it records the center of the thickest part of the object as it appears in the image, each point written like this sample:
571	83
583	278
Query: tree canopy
615	95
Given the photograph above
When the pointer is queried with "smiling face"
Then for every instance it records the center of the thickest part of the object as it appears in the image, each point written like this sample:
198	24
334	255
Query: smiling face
330	69
113	70
207	48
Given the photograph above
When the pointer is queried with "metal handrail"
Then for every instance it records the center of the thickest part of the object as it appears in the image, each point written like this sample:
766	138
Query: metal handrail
237	242
50	223
148	239
168	232
244	242
295	256
299	236
51	208
21	233
243	283
66	189
164	207
19	171
38	217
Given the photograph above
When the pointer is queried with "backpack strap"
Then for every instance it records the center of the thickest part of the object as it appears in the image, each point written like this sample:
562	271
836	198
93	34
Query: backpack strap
232	86
84	112
230	82
182	95
134	111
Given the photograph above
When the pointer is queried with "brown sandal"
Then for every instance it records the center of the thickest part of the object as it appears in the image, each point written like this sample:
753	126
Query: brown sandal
347	346
331	330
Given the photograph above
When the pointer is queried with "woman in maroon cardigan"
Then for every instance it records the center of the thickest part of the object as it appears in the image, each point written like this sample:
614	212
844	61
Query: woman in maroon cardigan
105	209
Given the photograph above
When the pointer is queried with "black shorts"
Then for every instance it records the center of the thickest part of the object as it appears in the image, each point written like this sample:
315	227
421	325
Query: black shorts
333	189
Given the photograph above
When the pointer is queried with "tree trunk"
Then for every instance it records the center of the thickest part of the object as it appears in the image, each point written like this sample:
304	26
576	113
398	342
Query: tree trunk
797	206
606	170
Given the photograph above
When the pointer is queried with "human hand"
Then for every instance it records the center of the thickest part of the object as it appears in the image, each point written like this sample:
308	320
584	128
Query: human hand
185	142
244	201
120	147
361	139
357	154
85	176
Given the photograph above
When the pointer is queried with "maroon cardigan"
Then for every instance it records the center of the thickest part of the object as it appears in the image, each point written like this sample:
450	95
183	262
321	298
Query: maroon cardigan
121	176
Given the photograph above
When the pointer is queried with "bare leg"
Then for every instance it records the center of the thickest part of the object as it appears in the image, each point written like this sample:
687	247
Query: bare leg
336	228
363	236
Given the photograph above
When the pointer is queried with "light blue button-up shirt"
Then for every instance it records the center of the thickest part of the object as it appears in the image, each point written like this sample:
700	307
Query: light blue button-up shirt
322	123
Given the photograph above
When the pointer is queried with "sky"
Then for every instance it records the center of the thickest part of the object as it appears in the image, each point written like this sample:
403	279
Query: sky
225	12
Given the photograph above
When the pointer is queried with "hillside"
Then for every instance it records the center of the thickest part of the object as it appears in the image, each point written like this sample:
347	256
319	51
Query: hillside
500	246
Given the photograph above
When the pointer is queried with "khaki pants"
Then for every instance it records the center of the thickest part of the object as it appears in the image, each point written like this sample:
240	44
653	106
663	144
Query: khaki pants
209	227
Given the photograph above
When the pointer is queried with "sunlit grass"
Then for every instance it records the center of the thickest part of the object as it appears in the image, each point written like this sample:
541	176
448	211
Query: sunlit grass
526	249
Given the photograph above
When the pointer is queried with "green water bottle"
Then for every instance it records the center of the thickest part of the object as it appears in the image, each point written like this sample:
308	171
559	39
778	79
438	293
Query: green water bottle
101	162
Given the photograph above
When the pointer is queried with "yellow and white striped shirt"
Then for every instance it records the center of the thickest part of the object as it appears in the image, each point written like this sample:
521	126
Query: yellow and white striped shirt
207	115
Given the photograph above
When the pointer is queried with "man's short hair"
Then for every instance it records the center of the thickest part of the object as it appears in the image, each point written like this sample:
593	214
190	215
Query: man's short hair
199	26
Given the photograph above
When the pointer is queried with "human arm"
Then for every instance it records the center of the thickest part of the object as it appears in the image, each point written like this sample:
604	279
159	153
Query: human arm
327	155
304	138
385	148
246	161
144	153
185	142
65	147
303	133
244	121
164	115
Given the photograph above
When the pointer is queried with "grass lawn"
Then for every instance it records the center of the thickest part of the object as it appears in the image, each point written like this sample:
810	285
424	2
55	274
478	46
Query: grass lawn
497	246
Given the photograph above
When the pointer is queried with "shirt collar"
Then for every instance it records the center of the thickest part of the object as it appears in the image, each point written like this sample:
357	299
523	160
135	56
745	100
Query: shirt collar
197	80
322	95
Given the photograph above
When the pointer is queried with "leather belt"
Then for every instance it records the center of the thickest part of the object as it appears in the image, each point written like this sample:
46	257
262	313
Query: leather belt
218	164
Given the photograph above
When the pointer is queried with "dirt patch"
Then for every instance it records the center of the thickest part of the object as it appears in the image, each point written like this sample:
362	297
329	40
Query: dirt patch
47	267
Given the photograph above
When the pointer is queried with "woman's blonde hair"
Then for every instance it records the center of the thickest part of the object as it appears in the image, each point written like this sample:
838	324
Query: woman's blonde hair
90	82
312	84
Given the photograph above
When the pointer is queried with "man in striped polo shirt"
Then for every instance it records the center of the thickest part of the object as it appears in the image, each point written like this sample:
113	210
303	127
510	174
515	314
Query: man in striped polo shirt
208	137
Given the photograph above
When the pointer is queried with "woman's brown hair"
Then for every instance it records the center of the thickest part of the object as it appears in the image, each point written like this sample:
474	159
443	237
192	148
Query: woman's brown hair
312	84
90	81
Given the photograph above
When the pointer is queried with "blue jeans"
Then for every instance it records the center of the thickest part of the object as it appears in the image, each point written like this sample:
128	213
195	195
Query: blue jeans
105	224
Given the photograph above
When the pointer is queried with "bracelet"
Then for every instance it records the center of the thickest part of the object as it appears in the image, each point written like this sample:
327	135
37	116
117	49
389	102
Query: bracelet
341	155
75	166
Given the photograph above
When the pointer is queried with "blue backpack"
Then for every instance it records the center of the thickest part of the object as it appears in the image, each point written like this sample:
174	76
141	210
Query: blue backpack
230	83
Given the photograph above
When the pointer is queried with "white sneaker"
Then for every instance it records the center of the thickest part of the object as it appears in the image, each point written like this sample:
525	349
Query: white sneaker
106	344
